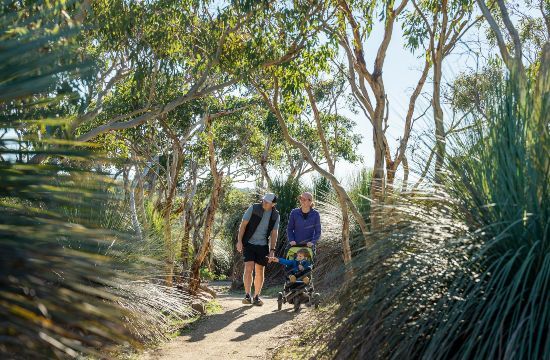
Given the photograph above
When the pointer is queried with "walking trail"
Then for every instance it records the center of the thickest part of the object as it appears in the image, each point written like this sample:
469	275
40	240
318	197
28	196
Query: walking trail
238	332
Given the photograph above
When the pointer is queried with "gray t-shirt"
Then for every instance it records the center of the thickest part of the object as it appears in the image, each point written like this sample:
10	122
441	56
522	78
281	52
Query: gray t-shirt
260	235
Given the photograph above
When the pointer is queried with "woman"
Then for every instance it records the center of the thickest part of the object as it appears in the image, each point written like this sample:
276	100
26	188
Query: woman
304	223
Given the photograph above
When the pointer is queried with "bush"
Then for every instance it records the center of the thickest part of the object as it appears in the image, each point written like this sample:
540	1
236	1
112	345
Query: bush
359	191
288	192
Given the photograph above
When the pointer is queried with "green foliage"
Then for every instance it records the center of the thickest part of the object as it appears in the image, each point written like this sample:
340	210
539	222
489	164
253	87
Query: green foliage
206	274
322	189
430	15
359	191
287	192
502	187
472	91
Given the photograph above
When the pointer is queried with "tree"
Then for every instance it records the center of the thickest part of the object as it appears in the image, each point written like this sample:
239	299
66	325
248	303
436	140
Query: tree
351	35
272	93
510	41
438	27
337	138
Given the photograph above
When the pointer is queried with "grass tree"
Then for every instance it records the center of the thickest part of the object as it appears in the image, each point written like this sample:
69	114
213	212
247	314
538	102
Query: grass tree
68	288
466	273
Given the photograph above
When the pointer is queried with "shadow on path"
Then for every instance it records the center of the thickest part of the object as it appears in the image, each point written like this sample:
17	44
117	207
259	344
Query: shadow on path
216	322
263	323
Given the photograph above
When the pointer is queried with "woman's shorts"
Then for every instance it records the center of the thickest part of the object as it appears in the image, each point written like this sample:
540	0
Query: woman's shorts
256	253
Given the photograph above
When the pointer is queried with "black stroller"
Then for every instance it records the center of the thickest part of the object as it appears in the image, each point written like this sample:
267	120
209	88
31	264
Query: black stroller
299	292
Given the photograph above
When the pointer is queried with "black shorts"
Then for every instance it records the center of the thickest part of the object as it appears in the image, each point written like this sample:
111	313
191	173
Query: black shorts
256	253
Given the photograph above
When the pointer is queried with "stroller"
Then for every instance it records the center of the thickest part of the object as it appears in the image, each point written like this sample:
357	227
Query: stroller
299	292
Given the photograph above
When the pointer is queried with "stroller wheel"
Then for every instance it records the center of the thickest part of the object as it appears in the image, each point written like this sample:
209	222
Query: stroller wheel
297	303
316	299
280	301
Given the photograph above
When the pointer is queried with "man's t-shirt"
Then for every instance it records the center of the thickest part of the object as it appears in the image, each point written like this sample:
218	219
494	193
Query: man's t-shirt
260	235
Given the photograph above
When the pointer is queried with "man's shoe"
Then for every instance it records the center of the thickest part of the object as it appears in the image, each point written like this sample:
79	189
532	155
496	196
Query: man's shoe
257	301
292	279
306	280
247	299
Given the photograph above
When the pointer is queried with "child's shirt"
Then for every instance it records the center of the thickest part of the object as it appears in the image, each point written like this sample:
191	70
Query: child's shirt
292	265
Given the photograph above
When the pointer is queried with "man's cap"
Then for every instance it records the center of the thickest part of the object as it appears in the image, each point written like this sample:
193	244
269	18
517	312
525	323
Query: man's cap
270	198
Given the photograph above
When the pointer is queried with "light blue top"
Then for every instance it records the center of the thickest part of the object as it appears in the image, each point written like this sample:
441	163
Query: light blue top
260	235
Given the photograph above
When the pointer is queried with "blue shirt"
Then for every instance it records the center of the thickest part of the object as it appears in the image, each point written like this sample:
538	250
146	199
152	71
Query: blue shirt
260	235
292	265
304	230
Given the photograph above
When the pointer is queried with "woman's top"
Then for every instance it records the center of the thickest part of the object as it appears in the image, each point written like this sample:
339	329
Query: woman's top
304	227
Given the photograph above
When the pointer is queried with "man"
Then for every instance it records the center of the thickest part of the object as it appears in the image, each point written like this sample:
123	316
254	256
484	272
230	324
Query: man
260	222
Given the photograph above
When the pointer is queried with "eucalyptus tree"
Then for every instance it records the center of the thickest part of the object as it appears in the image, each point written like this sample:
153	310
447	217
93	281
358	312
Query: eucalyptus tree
436	27
202	46
283	90
231	143
67	289
351	26
334	133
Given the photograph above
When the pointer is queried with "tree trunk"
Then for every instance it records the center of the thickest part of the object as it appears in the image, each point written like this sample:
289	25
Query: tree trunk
263	165
346	248
140	203
378	185
406	171
309	158
194	280
133	213
168	246
184	249
438	118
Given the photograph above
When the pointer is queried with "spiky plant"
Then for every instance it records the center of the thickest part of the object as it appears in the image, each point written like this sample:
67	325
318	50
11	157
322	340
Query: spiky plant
62	292
322	189
502	188
465	274
360	191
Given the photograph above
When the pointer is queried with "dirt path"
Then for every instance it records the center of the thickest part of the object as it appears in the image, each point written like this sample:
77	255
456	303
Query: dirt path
238	332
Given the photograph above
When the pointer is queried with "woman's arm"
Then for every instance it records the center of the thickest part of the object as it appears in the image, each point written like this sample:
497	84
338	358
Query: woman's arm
290	227
317	230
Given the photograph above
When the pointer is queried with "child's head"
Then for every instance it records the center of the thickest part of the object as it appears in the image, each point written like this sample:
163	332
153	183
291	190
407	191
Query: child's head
301	254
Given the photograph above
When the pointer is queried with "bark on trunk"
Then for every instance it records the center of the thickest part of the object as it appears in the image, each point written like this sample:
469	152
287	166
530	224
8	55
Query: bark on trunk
378	185
168	246
184	249
346	248
203	251
194	280
438	118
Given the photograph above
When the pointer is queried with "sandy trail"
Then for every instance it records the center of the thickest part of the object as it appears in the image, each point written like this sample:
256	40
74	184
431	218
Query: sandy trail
238	332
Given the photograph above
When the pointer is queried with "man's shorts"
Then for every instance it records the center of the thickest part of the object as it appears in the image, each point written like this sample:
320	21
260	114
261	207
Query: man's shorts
256	253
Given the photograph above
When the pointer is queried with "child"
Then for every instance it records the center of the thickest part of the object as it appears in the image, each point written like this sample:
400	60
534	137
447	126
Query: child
297	268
